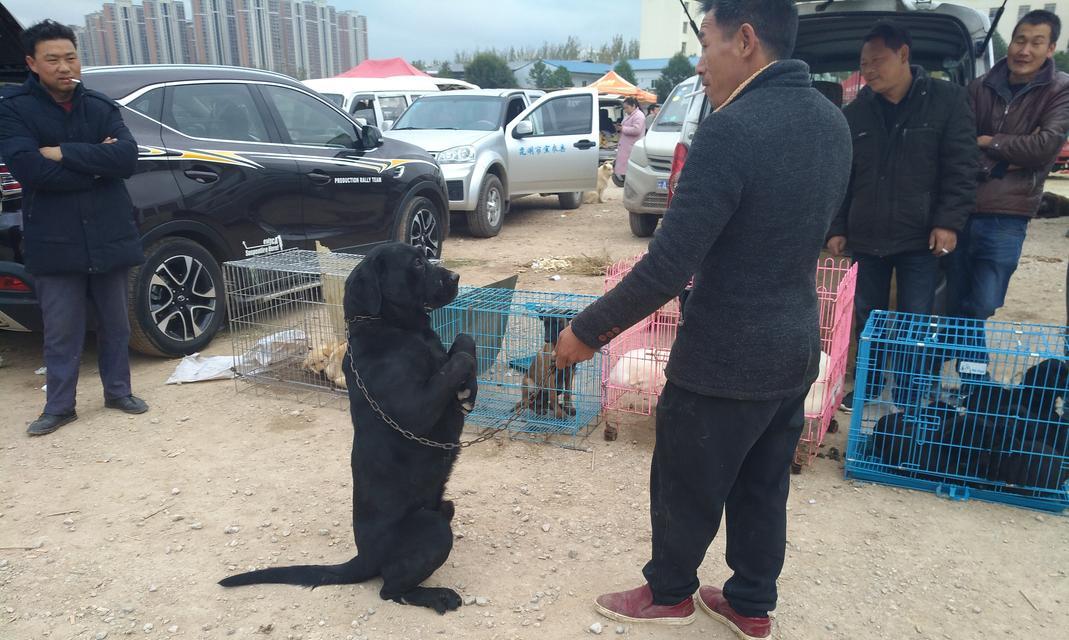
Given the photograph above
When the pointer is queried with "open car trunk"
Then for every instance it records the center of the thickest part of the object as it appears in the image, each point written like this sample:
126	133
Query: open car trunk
12	60
830	40
611	110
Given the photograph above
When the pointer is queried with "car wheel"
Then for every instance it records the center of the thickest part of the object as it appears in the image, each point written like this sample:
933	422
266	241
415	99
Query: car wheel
570	200
178	301
643	225
618	180
422	225
486	220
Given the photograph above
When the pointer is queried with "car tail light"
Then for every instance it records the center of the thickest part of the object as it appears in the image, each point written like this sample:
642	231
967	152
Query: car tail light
11	283
679	158
8	183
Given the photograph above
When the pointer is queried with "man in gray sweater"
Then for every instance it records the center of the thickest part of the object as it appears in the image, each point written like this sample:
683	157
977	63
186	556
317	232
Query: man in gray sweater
765	175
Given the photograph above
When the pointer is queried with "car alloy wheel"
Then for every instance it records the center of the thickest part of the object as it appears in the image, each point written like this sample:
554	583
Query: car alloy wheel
182	298
493	207
423	232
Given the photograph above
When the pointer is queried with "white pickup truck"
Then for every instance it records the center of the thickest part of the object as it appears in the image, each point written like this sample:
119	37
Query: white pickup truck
498	144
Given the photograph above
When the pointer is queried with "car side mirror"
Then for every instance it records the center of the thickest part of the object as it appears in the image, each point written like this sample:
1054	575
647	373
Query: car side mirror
370	137
523	130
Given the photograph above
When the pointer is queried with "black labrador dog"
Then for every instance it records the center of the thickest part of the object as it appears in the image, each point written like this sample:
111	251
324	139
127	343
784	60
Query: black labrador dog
400	520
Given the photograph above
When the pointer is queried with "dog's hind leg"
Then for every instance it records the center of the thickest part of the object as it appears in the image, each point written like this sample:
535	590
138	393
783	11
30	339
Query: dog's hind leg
447	509
420	545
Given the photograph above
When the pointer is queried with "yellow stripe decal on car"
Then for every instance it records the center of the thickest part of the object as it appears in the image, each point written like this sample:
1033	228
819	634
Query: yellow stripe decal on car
245	160
203	155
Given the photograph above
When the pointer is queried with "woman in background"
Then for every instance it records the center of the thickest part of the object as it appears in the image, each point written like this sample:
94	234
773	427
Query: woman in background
631	129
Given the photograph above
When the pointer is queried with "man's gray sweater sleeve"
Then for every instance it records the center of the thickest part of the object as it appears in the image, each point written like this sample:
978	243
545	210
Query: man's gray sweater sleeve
709	191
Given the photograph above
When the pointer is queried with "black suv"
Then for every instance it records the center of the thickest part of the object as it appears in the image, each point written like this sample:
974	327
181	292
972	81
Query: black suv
238	162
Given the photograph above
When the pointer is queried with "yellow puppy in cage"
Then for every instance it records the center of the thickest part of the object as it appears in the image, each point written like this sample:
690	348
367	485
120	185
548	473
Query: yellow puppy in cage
326	360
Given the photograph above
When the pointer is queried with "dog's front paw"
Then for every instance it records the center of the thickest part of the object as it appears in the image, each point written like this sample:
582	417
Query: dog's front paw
467	404
466	395
463	343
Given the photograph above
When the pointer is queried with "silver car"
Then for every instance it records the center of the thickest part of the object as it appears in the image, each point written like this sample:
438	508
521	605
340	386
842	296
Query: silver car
646	187
497	144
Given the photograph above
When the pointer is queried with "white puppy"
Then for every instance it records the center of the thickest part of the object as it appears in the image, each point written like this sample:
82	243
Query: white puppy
640	370
814	400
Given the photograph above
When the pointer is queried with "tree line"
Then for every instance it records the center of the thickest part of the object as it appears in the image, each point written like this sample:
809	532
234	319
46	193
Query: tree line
491	69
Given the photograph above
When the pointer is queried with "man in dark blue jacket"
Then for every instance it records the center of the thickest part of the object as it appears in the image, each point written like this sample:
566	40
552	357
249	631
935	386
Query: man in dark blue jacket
912	187
69	148
731	413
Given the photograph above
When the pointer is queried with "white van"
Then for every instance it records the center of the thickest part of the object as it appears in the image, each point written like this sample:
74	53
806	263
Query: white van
650	165
375	101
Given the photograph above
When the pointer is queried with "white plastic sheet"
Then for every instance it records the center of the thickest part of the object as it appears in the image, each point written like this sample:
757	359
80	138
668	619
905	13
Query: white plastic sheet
198	368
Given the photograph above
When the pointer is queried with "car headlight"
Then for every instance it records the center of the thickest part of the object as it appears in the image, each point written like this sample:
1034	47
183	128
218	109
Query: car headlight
457	155
638	155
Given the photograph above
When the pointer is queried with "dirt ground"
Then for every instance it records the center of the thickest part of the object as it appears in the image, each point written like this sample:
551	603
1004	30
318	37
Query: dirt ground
120	525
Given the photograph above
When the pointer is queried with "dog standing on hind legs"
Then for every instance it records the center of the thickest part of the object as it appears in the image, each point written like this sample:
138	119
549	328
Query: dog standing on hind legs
401	521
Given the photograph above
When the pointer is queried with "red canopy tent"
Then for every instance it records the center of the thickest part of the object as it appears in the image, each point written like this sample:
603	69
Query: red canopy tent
382	69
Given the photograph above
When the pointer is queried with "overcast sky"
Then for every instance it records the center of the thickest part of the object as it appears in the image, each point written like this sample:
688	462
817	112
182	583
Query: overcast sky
430	29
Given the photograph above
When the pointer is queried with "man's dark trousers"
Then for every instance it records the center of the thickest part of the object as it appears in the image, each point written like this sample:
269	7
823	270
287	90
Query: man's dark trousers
65	302
714	454
916	276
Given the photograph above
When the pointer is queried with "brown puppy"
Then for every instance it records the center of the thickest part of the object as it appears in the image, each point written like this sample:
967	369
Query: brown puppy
547	389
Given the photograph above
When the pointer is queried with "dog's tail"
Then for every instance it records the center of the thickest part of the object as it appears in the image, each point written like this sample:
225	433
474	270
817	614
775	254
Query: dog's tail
307	575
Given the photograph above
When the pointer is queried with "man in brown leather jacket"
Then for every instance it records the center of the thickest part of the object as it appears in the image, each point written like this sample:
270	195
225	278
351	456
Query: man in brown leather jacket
1022	117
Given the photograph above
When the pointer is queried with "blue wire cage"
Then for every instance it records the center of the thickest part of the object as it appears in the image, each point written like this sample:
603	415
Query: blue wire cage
514	333
963	408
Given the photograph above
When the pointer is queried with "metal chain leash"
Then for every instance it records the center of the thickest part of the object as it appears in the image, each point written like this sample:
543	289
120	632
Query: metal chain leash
448	446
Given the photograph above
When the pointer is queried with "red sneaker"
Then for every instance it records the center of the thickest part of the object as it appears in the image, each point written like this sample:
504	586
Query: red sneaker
715	604
637	605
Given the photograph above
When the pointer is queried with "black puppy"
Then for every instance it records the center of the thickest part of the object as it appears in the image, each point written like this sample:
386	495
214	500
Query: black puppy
1032	464
964	446
1043	384
893	439
400	520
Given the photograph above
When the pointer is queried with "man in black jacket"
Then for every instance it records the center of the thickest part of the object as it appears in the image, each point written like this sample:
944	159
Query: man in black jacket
731	413
912	185
69	148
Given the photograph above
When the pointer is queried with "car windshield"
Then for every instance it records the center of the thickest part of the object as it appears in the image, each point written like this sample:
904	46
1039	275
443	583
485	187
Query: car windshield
674	110
468	113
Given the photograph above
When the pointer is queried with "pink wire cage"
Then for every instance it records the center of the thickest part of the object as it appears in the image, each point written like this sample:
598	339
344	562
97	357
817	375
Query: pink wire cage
633	364
836	282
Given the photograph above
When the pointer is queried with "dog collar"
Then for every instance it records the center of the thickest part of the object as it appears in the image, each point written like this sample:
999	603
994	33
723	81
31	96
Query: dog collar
360	319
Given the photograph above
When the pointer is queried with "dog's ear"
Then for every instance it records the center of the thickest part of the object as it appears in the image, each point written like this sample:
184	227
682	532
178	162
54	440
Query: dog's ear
363	291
